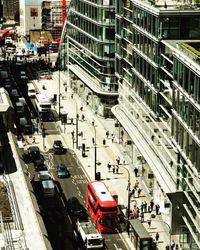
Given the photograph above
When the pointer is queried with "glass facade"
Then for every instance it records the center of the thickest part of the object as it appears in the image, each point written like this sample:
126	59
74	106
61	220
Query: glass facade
90	38
159	92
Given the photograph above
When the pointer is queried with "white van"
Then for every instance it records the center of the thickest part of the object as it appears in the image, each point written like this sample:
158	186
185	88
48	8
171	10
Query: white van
31	90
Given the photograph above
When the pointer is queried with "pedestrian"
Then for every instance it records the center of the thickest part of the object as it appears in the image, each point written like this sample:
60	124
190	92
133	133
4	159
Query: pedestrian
136	171
157	209
139	192
72	134
92	122
83	117
72	95
117	169
93	141
118	160
149	222
107	134
149	209
176	247
81	134
157	236
109	166
113	138
145	206
136	184
113	169
141	207
33	139
72	121
81	108
137	212
142	216
104	142
152	204
133	193
173	244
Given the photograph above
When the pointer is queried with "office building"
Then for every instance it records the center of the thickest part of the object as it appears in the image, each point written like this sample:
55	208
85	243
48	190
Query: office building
10	8
158	70
88	51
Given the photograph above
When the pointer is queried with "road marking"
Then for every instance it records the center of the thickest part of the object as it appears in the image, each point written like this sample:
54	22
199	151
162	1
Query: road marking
117	247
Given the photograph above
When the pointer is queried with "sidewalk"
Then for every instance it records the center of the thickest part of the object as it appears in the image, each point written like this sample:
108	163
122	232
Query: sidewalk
107	153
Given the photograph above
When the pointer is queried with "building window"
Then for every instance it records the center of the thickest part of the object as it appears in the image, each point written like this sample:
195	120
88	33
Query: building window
34	11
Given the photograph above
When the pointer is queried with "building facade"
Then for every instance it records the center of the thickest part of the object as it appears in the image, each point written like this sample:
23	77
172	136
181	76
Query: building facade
88	46
30	16
157	66
10	8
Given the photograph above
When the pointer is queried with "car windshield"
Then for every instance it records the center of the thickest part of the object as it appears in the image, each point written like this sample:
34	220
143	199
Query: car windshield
58	143
61	168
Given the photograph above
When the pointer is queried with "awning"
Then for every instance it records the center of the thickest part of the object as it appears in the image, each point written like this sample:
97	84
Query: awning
91	82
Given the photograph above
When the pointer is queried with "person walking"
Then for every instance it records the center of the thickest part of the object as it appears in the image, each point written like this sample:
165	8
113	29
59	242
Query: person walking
117	169
145	206
133	192
149	222
142	216
118	160
83	117
157	236
107	134
93	141
139	192
152	204
142	206
113	169
136	171
109	166
92	122
157	209
137	212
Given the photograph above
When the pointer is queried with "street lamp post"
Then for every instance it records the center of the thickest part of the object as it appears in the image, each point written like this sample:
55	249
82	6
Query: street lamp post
77	117
129	197
59	89
95	153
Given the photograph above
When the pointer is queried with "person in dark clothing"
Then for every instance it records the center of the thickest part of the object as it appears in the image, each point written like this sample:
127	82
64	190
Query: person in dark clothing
157	236
157	209
152	205
136	171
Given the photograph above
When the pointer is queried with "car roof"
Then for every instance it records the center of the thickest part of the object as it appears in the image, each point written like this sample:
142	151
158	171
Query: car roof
61	165
34	148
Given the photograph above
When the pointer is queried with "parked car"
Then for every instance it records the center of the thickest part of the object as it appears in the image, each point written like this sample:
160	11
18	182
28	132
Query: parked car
58	147
62	171
74	207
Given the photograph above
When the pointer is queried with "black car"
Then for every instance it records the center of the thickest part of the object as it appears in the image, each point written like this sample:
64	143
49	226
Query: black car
58	147
39	164
34	153
62	171
74	207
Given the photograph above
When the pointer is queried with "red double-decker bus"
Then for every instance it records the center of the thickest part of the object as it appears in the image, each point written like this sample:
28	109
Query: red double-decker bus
101	206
